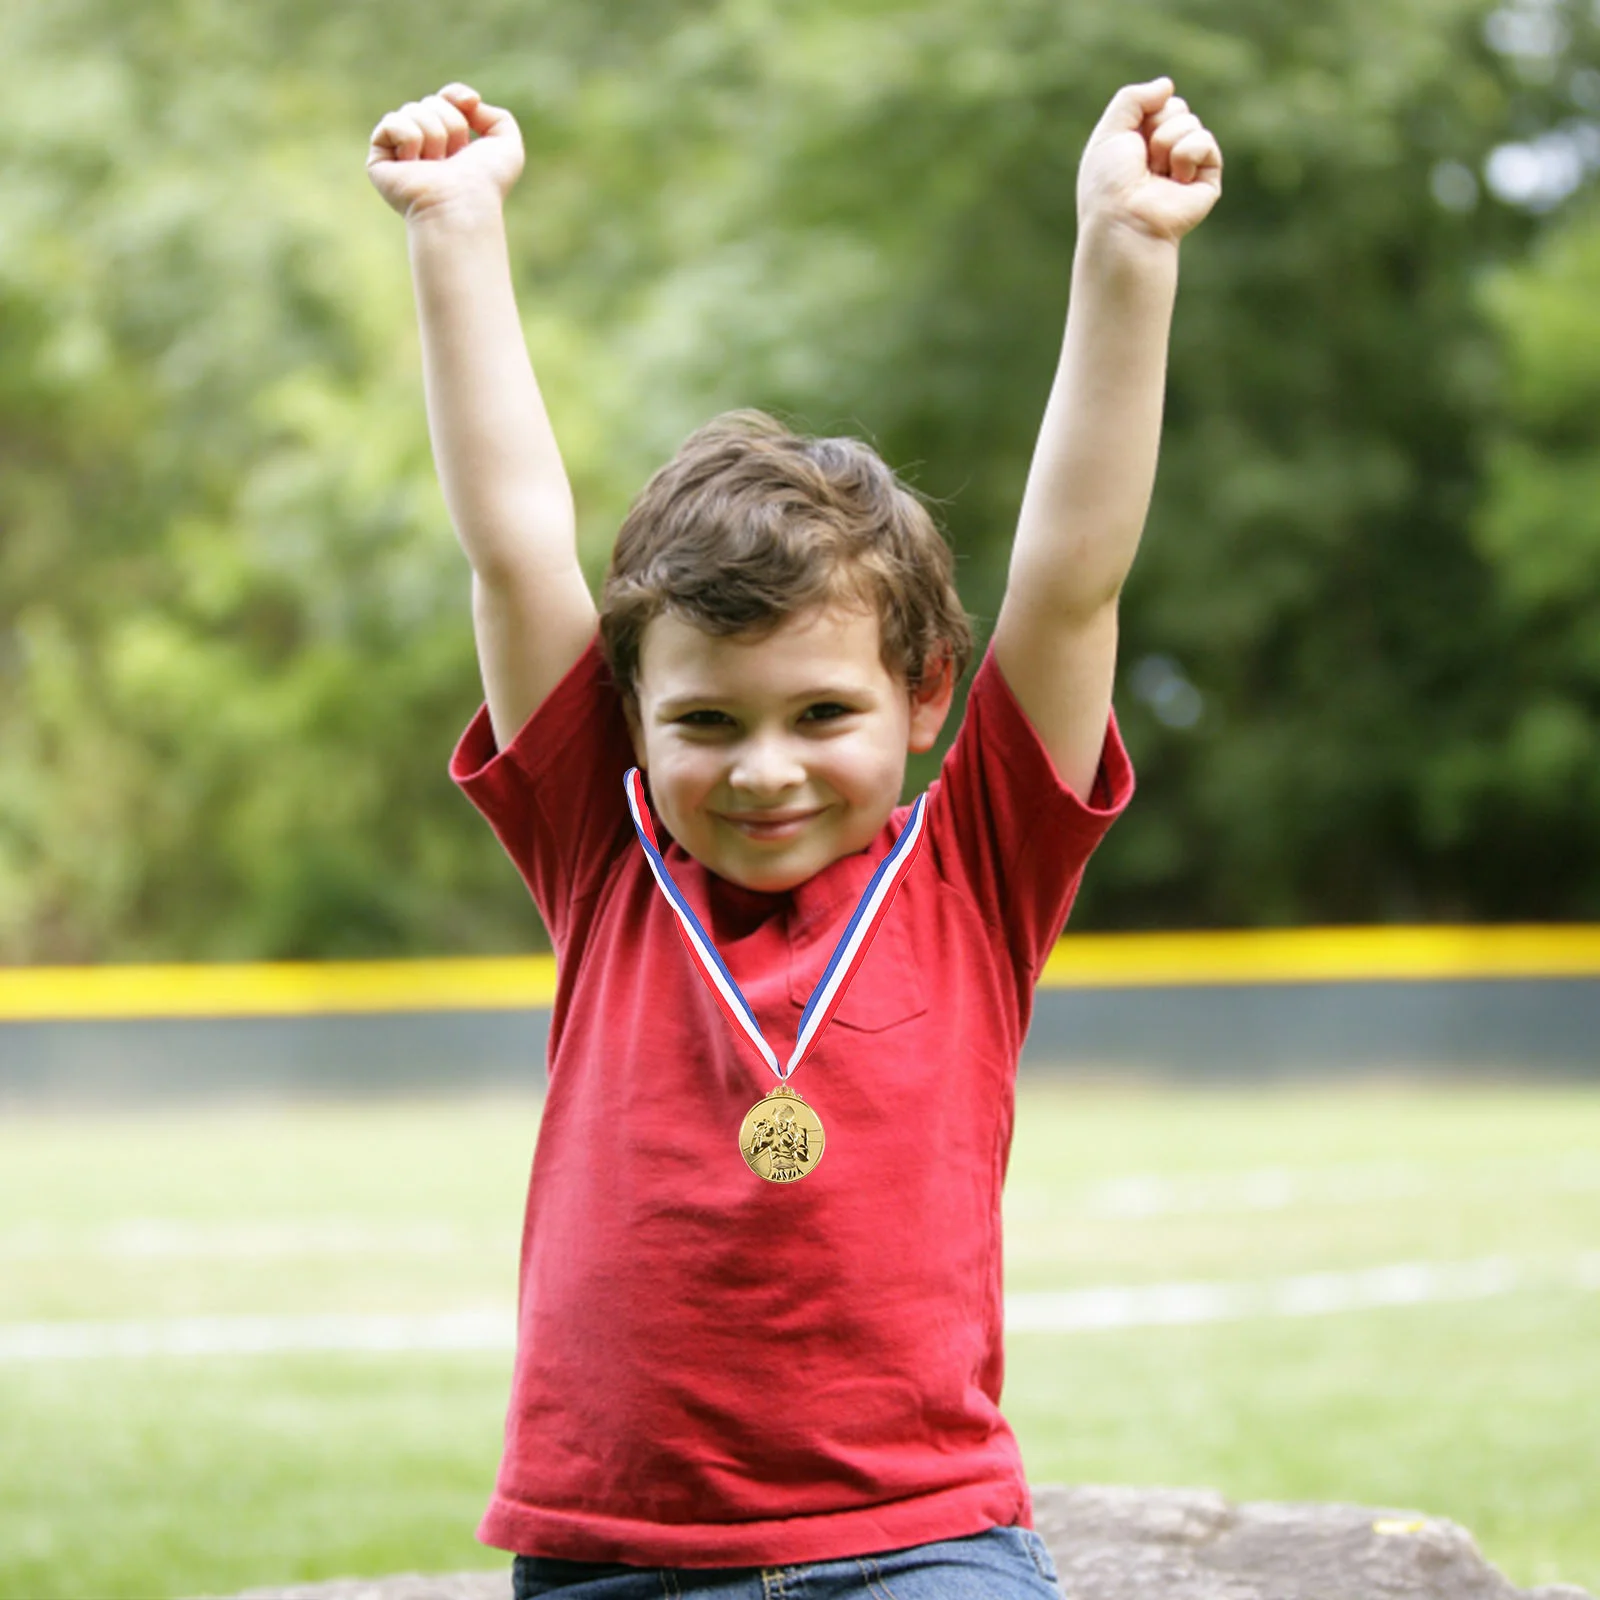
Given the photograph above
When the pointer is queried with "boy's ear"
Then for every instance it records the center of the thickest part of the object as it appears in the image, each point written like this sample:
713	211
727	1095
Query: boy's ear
930	703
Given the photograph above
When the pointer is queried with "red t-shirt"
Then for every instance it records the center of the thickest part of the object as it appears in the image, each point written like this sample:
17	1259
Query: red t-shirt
714	1370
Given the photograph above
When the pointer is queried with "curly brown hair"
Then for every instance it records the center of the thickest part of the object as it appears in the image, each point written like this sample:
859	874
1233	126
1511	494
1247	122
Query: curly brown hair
750	523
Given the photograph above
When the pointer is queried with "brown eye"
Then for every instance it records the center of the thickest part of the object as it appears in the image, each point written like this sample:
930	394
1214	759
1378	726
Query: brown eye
825	711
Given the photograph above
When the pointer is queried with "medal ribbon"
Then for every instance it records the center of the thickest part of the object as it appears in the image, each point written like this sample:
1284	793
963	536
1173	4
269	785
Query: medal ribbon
843	964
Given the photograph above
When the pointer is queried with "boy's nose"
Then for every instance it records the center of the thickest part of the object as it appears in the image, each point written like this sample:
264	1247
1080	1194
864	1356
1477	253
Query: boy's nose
766	767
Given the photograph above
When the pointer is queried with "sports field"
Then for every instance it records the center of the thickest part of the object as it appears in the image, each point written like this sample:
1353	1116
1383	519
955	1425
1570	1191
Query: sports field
271	1345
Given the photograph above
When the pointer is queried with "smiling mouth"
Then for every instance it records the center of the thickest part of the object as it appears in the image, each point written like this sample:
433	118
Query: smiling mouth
768	824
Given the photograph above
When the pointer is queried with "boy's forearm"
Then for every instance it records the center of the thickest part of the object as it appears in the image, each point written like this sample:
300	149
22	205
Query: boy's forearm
497	458
1093	470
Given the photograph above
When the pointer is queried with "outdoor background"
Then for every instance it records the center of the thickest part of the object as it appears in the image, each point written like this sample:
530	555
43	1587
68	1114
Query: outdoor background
1360	664
1360	680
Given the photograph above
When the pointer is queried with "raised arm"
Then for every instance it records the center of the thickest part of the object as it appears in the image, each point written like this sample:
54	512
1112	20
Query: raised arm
1150	172
445	164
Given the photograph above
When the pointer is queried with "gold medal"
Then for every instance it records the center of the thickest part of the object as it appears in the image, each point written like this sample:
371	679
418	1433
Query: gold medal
781	1139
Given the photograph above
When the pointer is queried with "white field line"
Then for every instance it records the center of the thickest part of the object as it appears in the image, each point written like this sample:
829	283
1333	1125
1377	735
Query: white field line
1129	1197
164	1239
255	1336
1310	1294
1135	1195
1111	1306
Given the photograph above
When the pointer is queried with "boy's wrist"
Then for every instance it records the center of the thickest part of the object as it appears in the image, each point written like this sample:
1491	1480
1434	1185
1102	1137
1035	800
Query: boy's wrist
1121	241
478	210
1122	257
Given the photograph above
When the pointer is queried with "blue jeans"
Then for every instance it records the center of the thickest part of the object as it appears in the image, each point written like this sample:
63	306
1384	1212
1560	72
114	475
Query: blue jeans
1001	1564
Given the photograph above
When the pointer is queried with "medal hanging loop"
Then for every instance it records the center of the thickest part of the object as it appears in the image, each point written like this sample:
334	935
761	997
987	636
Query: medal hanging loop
843	964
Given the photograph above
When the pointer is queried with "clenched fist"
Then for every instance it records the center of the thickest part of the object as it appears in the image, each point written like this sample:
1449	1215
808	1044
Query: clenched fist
445	148
1150	163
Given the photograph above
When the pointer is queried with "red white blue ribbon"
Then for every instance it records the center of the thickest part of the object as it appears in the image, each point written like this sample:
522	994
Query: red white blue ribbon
843	964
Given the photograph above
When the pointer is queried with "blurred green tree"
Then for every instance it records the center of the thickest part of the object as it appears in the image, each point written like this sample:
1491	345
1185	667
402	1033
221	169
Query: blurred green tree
1527	794
234	640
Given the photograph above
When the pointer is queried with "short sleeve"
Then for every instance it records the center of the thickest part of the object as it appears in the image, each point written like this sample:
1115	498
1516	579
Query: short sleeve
554	795
1005	831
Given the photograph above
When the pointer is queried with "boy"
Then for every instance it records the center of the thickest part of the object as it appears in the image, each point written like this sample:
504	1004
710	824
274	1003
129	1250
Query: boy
780	1375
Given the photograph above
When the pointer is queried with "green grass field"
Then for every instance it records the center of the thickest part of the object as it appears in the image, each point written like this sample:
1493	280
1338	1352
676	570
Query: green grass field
201	1473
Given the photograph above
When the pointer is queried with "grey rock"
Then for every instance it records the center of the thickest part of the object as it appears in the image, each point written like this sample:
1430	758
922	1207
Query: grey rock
495	1585
1191	1544
1163	1544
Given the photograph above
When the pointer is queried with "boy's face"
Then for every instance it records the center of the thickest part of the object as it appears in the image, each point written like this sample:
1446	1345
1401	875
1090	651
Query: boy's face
771	757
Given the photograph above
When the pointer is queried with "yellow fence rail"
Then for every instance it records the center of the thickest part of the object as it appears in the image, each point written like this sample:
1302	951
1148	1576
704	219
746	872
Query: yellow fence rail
276	989
1080	961
1324	955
